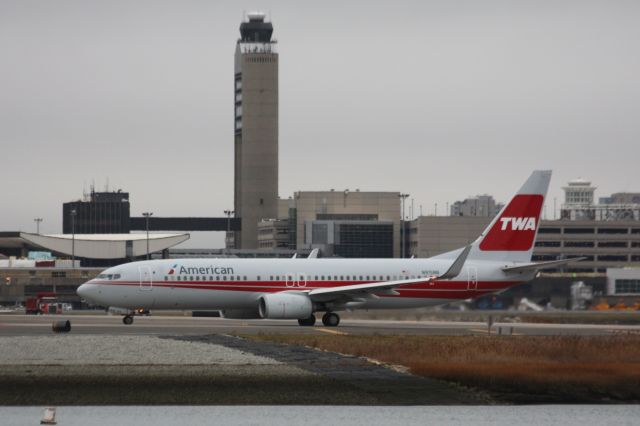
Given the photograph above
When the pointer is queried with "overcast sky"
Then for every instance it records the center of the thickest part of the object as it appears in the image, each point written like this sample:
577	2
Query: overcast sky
439	99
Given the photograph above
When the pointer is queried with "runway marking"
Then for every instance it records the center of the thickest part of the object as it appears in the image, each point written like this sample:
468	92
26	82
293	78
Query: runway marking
326	330
494	331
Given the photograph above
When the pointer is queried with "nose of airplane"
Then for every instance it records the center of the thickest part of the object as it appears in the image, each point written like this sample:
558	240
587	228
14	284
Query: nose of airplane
84	291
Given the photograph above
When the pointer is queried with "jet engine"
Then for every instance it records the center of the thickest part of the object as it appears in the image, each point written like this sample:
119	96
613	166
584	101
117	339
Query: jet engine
285	306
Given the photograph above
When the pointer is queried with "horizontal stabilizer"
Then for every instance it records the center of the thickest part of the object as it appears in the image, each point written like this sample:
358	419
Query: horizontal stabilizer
540	265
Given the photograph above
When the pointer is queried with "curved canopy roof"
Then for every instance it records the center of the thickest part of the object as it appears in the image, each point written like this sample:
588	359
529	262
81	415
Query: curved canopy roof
100	246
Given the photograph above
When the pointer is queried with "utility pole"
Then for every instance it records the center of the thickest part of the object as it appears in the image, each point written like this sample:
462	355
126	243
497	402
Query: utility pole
146	217
37	220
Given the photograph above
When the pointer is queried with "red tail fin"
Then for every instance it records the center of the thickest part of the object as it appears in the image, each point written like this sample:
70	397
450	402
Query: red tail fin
516	226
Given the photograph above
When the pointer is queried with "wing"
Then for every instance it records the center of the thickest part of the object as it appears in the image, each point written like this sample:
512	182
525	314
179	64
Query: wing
386	287
523	267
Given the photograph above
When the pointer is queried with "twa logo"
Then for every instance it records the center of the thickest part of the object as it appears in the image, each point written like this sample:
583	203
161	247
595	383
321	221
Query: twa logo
515	230
518	223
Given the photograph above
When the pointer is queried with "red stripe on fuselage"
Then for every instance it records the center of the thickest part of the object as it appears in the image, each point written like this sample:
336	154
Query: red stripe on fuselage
427	290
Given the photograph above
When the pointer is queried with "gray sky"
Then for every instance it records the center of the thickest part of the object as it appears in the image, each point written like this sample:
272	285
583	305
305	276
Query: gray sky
440	99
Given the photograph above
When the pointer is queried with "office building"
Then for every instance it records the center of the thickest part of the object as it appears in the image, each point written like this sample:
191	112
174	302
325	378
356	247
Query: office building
480	205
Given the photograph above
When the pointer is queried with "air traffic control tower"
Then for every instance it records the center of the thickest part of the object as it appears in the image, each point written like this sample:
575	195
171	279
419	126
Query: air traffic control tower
256	129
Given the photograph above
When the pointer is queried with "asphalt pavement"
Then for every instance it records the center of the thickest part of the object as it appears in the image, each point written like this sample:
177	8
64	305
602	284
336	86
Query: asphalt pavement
31	325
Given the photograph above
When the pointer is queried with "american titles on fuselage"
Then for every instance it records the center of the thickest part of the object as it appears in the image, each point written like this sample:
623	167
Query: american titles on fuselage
202	270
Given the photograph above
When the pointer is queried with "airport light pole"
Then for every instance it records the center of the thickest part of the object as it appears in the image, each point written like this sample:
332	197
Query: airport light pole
146	217
37	220
73	238
403	197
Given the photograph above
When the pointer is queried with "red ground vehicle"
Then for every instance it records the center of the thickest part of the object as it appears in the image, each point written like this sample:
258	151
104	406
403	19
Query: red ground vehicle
45	302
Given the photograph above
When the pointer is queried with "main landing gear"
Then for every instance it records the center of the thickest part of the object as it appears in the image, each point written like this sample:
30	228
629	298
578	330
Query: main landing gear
127	319
331	319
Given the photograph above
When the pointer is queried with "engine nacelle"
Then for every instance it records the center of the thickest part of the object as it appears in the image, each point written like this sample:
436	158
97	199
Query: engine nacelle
240	313
285	306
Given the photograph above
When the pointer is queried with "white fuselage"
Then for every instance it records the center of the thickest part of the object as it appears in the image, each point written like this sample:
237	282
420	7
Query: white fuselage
238	284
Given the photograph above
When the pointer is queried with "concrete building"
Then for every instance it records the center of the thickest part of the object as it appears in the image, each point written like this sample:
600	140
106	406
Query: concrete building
579	204
623	282
256	129
338	222
480	205
273	234
97	213
605	244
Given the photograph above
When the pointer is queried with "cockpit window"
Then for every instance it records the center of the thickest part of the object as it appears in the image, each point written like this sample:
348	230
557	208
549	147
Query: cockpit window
108	276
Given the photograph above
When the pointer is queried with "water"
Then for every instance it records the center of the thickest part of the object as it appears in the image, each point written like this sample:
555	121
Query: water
540	415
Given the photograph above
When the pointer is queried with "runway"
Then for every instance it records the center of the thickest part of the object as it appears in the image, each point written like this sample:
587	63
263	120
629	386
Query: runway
30	325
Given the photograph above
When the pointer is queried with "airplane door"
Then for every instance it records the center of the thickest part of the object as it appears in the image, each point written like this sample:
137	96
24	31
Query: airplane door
291	280
472	278
296	280
146	281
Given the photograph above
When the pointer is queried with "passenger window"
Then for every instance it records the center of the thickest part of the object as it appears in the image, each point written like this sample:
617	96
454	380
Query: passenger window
258	278
341	278
271	277
224	278
322	277
217	278
360	277
190	278
245	278
388	278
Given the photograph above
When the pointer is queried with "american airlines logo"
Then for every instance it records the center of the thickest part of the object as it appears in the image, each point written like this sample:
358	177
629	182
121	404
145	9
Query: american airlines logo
518	223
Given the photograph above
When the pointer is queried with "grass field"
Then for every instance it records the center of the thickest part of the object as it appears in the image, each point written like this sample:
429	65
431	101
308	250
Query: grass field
513	368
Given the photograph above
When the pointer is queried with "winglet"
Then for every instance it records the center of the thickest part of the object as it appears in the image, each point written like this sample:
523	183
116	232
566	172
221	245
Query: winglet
456	267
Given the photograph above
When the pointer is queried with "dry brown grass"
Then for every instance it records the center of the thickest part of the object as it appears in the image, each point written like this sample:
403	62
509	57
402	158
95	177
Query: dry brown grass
563	367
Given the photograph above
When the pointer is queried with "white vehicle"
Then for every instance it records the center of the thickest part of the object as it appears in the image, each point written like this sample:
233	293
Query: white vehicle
298	288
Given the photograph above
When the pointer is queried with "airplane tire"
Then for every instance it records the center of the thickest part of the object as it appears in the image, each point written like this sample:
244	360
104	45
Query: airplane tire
127	320
308	322
330	319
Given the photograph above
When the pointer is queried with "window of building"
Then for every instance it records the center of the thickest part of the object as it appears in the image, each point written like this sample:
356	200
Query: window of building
627	286
635	258
545	230
613	231
579	230
612	258
547	243
612	244
579	244
635	243
635	230
58	274
543	257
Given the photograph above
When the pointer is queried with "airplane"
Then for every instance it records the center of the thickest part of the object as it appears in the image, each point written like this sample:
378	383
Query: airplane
296	289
